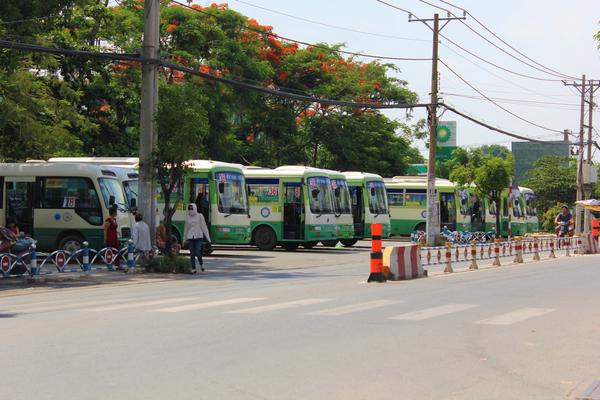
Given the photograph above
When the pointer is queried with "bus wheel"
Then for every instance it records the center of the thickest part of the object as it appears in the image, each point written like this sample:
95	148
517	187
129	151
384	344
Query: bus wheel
290	246
348	242
421	227
71	243
329	243
264	238
309	245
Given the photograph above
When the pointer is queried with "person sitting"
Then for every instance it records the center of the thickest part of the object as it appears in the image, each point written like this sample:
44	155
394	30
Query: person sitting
161	240
12	226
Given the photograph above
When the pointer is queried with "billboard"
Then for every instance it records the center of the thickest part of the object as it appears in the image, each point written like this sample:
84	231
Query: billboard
446	139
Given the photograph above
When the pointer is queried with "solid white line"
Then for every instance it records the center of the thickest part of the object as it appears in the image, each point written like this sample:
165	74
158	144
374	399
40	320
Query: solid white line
515	316
433	312
125	305
199	306
278	306
352	308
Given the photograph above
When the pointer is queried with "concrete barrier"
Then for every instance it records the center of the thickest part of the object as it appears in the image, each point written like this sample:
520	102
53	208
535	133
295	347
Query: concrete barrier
589	243
403	262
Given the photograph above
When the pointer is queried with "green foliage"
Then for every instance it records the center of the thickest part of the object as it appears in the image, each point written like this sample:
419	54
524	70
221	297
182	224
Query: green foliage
553	181
95	104
182	125
168	263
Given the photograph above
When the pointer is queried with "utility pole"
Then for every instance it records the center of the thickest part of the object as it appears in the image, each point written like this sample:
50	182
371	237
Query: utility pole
149	103
433	219
583	224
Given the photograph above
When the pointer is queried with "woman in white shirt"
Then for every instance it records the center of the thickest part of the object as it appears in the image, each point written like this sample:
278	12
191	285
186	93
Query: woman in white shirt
195	233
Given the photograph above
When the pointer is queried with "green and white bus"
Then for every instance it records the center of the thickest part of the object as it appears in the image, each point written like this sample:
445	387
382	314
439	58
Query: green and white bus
512	207
531	218
219	191
369	205
290	206
342	206
62	205
407	199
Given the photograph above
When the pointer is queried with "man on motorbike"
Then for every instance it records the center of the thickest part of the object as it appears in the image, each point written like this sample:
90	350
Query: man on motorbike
564	218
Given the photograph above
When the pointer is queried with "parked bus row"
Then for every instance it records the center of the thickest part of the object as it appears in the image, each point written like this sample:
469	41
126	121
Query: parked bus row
63	202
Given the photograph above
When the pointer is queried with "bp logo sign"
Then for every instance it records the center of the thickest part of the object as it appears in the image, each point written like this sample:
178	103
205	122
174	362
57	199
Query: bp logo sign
446	133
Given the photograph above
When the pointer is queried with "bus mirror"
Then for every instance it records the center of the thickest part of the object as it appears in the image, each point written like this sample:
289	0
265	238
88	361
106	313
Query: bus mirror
133	203
315	193
221	187
337	192
372	192
111	200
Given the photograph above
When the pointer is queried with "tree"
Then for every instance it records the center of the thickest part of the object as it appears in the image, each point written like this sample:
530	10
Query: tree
553	179
490	177
182	126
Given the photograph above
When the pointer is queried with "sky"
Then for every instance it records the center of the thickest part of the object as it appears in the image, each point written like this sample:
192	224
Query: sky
554	33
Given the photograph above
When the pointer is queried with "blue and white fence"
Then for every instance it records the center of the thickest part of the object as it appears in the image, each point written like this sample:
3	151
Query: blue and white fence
85	259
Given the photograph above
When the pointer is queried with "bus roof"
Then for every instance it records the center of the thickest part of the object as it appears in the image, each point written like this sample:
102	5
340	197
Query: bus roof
286	171
209	165
114	161
361	176
333	174
57	169
523	189
417	182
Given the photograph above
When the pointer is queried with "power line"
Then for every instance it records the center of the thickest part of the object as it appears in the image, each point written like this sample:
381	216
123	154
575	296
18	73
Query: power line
488	126
504	42
496	104
410	13
494	44
343	28
517	101
228	81
315	45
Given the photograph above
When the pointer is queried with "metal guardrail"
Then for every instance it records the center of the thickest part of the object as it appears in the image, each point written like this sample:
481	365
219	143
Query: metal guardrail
34	263
456	253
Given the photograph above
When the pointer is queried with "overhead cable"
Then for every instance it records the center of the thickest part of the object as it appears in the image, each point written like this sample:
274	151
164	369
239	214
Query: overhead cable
232	82
315	45
504	42
496	104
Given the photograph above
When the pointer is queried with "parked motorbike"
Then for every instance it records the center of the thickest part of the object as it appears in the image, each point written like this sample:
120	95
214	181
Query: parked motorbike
19	246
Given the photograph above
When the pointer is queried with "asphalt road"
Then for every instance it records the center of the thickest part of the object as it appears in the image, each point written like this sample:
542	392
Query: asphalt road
305	325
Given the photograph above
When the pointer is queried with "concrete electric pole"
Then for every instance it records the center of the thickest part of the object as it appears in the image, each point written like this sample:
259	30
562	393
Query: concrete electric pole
433	218
149	103
585	148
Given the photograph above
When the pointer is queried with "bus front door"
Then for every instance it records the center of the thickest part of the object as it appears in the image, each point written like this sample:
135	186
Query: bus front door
293	212
358	215
19	202
448	210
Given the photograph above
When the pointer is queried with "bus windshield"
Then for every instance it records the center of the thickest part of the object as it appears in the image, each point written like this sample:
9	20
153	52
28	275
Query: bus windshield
231	193
529	204
341	196
319	188
111	187
131	190
377	195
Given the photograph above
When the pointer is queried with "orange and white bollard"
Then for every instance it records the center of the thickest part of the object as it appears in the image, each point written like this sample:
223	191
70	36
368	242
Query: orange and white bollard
376	274
552	255
496	262
518	250
473	256
536	250
448	268
567	244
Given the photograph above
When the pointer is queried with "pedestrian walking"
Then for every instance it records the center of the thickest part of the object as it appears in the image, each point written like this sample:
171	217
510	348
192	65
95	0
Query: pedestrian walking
141	237
196	232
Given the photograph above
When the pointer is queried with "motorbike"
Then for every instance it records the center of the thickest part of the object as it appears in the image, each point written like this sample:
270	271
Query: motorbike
19	246
565	229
